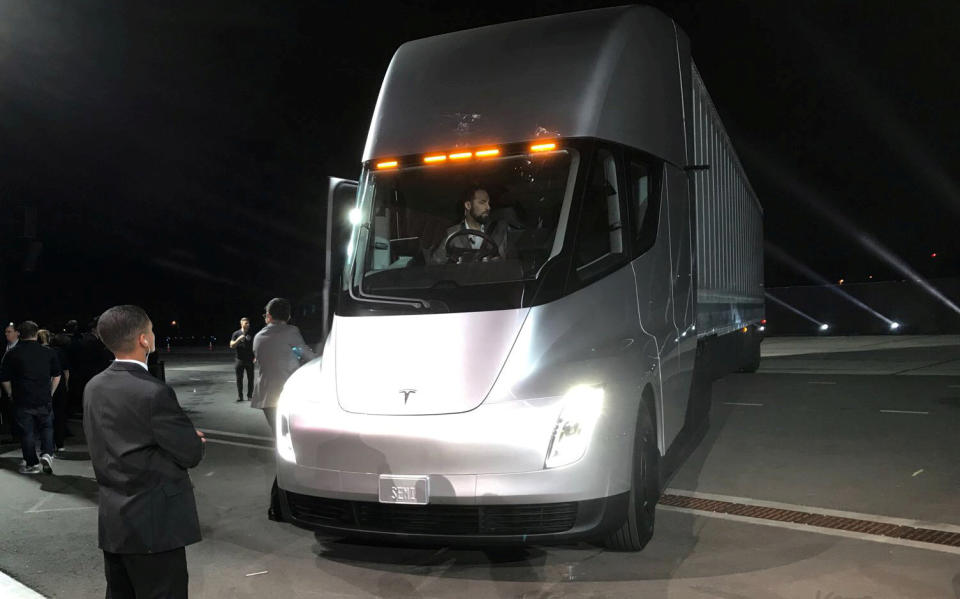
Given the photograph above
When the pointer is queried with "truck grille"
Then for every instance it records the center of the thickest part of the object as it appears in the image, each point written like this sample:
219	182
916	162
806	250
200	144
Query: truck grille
434	519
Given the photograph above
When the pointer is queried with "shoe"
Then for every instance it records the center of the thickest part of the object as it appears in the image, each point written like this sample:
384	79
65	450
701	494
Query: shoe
239	399
35	469
273	516
249	398
46	463
23	463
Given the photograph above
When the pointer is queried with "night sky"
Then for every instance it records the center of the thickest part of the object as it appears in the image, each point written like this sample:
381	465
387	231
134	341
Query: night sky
175	154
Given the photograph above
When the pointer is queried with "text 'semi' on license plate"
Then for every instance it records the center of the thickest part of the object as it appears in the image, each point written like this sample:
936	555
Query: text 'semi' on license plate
413	490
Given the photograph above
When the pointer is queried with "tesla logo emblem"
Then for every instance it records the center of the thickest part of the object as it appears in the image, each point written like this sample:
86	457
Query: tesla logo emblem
406	394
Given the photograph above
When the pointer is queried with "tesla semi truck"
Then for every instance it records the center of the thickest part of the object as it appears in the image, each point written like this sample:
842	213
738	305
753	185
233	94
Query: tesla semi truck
551	252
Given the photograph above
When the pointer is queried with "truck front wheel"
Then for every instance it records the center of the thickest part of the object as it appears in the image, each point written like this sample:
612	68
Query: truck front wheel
637	530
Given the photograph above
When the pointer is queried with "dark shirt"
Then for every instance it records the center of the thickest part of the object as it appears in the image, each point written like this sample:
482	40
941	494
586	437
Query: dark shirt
94	357
62	357
245	347
28	368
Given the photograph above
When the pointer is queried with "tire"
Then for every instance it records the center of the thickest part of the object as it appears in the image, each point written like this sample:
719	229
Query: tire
637	530
752	355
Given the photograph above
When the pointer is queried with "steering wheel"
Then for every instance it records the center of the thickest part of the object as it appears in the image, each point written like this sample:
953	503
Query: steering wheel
487	249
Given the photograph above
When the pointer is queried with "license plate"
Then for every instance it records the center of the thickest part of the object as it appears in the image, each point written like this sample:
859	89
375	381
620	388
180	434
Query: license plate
413	490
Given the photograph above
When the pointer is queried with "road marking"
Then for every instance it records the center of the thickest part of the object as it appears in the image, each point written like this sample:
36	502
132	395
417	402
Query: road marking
821	382
11	589
239	435
36	508
222	442
735	403
904	412
42	501
258	573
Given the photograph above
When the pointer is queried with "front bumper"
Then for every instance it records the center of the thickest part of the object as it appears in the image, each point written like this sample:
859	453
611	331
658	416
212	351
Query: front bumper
536	524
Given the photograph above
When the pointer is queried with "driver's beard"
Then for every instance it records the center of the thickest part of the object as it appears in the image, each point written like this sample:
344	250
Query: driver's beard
483	219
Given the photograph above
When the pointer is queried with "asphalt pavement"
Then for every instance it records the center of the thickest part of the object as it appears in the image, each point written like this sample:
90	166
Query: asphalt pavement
861	428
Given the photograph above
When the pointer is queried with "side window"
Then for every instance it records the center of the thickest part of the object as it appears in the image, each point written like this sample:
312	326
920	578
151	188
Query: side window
600	231
644	206
640	183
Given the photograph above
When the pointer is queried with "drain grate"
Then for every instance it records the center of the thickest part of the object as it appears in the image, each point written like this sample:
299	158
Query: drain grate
910	533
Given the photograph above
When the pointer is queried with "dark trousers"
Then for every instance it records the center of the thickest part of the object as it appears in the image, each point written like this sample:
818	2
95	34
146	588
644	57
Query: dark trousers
9	416
61	400
31	426
271	414
146	575
239	367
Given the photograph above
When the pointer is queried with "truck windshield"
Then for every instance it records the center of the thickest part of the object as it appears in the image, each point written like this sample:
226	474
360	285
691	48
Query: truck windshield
456	237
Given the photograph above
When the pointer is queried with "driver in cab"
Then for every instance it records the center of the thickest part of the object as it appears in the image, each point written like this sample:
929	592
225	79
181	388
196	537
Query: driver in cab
473	239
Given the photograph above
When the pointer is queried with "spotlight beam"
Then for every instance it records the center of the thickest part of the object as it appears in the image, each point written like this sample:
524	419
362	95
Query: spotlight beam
776	172
802	268
793	309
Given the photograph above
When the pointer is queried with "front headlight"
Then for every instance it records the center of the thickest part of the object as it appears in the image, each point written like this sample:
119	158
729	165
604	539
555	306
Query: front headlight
582	406
284	439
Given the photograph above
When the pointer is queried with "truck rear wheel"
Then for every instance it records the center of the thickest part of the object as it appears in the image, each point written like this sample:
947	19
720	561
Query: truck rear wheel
751	353
637	530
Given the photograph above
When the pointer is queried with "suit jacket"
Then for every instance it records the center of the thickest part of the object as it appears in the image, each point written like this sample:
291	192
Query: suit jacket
141	444
497	232
274	349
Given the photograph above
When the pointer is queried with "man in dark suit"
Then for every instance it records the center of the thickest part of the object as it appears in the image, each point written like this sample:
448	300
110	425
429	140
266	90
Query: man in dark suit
141	445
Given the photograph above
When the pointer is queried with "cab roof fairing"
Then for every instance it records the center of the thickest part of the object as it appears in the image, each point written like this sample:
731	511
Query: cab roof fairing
612	73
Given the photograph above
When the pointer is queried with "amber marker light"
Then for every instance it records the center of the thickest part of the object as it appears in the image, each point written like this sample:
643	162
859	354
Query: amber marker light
387	164
461	155
487	153
435	158
545	147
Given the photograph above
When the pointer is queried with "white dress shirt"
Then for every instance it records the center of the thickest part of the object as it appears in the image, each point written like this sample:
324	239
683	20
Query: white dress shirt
144	364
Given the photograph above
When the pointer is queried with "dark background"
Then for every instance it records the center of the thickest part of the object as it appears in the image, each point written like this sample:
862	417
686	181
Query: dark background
174	155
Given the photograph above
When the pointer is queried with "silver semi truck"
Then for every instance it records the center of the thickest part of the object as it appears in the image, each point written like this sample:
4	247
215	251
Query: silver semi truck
552	251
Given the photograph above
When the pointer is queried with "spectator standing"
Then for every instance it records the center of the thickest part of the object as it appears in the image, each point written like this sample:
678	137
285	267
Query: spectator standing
61	397
242	342
279	349
75	357
30	374
11	336
141	445
94	357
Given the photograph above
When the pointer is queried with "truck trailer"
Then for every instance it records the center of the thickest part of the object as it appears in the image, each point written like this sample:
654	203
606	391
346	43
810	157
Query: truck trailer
551	253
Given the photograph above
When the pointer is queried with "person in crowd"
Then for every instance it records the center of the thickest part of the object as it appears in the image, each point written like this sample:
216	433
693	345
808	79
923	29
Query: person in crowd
141	446
61	397
7	416
75	358
94	357
30	374
242	342
278	349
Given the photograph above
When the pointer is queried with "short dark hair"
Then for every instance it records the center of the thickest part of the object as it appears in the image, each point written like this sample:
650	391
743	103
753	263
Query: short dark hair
119	327
279	309
28	329
471	190
244	319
